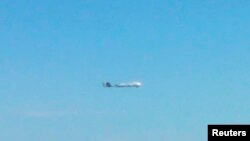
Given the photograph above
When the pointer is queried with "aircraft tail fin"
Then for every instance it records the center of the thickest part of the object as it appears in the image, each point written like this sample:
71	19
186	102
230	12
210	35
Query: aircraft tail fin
107	84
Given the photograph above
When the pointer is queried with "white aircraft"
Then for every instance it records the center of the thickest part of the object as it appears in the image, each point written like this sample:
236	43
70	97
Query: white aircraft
130	84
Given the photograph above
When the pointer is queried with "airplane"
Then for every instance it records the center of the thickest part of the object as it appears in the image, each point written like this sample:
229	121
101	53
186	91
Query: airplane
135	84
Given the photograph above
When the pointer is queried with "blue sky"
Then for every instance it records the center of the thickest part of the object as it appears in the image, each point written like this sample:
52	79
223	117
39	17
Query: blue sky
192	57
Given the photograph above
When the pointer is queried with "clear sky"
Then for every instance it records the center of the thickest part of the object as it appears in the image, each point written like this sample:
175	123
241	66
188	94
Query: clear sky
192	57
